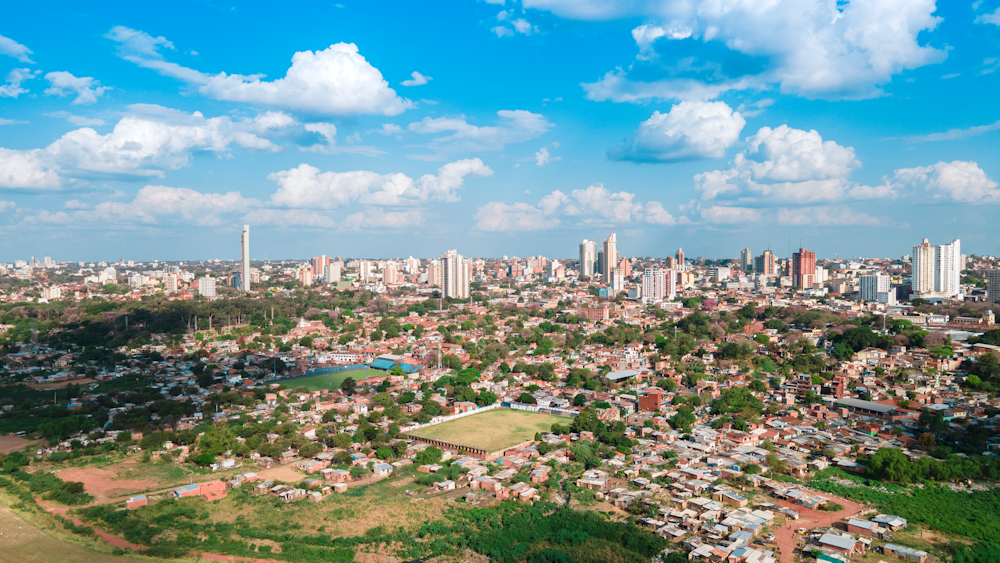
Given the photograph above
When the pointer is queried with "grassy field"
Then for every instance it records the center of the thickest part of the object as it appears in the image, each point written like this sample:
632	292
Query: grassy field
24	542
320	382
492	430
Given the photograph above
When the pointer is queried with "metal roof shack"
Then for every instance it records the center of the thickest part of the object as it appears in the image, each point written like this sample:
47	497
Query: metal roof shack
622	375
867	407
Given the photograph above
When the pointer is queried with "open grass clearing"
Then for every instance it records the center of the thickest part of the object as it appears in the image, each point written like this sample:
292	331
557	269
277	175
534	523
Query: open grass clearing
331	381
492	430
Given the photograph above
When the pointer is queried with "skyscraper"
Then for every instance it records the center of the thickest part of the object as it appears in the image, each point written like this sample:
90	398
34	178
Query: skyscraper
680	258
610	258
245	259
764	264
658	284
923	268
588	258
937	270
455	281
803	268
746	259
206	286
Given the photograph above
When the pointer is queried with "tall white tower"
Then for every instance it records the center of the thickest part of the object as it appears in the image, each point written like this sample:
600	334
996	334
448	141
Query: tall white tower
588	257
455	278
245	259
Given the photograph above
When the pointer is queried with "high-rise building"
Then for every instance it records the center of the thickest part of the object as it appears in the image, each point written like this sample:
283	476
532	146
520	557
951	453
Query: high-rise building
671	263
390	274
877	288
455	273
746	259
245	259
658	284
588	258
923	268
304	275
803	268
764	264
610	258
206	286
993	286
680	259
332	273
948	269
435	277
937	270
617	281
170	282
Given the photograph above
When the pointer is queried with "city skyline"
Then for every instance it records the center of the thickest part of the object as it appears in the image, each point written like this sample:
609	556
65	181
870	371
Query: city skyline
128	132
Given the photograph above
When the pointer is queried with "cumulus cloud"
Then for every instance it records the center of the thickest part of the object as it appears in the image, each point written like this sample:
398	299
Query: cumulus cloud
787	165
813	48
87	89
378	218
12	88
14	49
543	157
335	81
956	181
151	205
689	131
307	187
517	217
503	31
594	205
991	17
514	126
147	142
417	80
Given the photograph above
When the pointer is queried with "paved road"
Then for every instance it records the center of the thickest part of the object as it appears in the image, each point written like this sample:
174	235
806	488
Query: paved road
809	518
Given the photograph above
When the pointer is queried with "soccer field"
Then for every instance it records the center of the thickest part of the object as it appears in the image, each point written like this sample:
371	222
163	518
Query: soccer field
492	430
320	382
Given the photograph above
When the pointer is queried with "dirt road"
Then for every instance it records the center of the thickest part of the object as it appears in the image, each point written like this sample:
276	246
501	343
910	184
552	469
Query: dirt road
786	536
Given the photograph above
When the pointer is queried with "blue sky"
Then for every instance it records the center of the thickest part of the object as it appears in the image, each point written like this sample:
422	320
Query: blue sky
392	129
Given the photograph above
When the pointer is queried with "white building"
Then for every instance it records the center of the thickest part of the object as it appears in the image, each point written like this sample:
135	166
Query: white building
588	258
609	259
206	286
170	282
658	285
52	293
877	288
937	270
332	273
245	259
454	275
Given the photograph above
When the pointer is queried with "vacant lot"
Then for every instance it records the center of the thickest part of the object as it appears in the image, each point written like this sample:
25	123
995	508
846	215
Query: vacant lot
320	382
9	443
23	542
492	430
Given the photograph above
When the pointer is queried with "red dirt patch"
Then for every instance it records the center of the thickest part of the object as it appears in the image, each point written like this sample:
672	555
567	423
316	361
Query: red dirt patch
14	443
102	483
786	536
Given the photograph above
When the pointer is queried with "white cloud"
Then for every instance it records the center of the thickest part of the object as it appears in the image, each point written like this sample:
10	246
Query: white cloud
388	129
517	217
334	81
5	205
645	35
815	49
523	26
145	143
515	126
151	205
26	169
503	31
12	88
787	165
307	187
617	87
543	157
499	2
595	205
957	181
760	105
328	132
952	134
377	218
992	17
832	216
418	79
689	131
14	49
5	121
290	218
87	89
